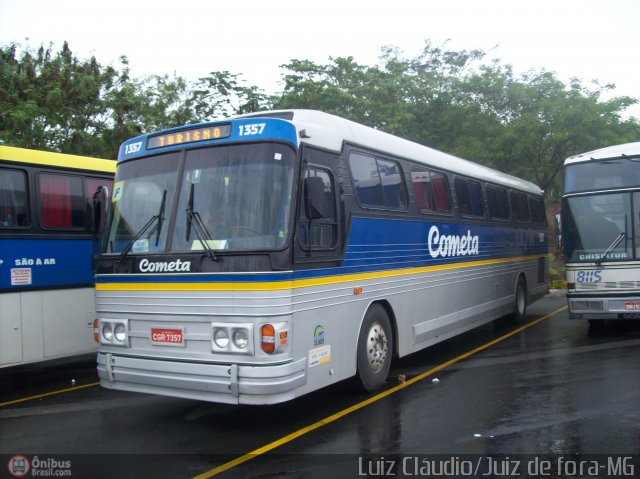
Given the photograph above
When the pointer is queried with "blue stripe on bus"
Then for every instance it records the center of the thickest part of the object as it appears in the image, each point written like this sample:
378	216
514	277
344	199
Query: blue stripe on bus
378	245
44	263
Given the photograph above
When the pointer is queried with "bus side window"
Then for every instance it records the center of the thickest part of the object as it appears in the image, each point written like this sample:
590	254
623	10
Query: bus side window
14	204
536	206
519	206
469	195
366	180
431	190
498	202
61	201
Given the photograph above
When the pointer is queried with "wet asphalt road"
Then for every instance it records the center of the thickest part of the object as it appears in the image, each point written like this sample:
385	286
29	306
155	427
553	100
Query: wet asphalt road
555	388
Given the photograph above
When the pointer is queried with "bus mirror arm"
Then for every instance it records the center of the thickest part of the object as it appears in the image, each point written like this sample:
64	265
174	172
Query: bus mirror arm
558	226
99	209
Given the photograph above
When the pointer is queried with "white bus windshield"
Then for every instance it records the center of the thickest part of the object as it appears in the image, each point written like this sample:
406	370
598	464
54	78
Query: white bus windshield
603	227
239	196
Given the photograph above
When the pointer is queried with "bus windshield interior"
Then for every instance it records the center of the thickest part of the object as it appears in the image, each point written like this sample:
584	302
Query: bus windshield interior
227	198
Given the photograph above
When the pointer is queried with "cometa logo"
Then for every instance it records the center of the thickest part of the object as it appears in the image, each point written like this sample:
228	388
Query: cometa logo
451	245
177	266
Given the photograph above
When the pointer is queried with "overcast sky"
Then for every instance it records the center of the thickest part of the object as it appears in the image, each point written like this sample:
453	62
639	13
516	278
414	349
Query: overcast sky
586	39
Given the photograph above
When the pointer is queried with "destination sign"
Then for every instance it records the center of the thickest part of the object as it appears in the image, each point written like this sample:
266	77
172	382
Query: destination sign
191	135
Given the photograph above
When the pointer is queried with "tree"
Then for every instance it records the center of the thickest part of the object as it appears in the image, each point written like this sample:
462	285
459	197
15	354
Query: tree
55	101
52	101
456	102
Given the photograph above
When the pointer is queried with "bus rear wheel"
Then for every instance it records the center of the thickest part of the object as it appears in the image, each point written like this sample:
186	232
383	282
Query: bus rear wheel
375	348
520	300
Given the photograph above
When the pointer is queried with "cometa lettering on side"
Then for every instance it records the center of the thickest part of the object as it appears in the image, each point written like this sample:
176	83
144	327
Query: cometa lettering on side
452	245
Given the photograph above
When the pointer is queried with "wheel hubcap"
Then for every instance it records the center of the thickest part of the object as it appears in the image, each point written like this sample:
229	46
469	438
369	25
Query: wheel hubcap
376	347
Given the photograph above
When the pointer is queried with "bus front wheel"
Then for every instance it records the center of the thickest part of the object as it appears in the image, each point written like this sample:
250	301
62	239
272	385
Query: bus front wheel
375	348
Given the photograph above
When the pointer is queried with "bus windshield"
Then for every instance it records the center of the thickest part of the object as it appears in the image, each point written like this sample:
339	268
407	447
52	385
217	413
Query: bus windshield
600	227
228	198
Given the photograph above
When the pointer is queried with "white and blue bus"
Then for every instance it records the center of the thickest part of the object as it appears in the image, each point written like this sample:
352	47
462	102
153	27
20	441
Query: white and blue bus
46	253
601	233
258	258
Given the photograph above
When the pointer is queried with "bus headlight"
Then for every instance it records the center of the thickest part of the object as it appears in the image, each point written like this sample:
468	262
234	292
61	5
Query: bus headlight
107	332
120	333
221	338
114	332
232	338
240	339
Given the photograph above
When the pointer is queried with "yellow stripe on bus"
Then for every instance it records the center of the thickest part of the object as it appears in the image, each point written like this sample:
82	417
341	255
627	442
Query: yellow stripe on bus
61	160
299	283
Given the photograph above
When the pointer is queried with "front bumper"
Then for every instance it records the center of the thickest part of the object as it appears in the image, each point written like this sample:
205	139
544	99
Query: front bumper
595	306
223	383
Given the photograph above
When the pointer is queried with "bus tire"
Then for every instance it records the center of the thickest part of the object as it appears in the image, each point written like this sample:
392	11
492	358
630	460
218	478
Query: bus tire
375	348
520	300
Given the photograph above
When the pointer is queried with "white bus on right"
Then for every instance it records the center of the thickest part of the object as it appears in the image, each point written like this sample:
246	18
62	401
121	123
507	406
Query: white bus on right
601	233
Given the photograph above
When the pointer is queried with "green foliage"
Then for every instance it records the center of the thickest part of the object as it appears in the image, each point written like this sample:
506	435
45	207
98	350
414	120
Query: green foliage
454	101
55	101
556	272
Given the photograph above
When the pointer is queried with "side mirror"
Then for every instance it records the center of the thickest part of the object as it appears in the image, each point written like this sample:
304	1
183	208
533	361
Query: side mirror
100	208
558	224
314	197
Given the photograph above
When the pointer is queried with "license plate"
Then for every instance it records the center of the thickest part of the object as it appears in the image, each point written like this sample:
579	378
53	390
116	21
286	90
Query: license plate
632	306
167	337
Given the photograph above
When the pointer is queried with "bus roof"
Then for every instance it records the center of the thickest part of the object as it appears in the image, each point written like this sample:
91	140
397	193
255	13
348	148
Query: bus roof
60	160
331	132
610	152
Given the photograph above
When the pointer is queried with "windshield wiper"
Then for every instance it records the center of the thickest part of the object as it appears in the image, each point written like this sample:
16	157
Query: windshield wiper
160	217
193	218
155	220
138	235
613	245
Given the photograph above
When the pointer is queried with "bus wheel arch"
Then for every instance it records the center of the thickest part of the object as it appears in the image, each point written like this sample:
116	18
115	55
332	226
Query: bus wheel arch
520	298
376	346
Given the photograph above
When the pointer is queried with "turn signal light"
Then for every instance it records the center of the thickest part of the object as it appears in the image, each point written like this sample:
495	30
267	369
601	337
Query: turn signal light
268	338
96	331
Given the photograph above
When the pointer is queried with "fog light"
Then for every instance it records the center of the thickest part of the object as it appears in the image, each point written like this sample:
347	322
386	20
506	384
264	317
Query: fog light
587	305
595	305
240	338
221	338
579	305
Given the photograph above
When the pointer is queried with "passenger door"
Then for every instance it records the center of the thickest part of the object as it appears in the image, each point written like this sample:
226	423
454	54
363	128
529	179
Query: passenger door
319	239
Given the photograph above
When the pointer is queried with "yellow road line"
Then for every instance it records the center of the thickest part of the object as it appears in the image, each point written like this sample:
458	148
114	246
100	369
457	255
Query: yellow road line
52	393
340	414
